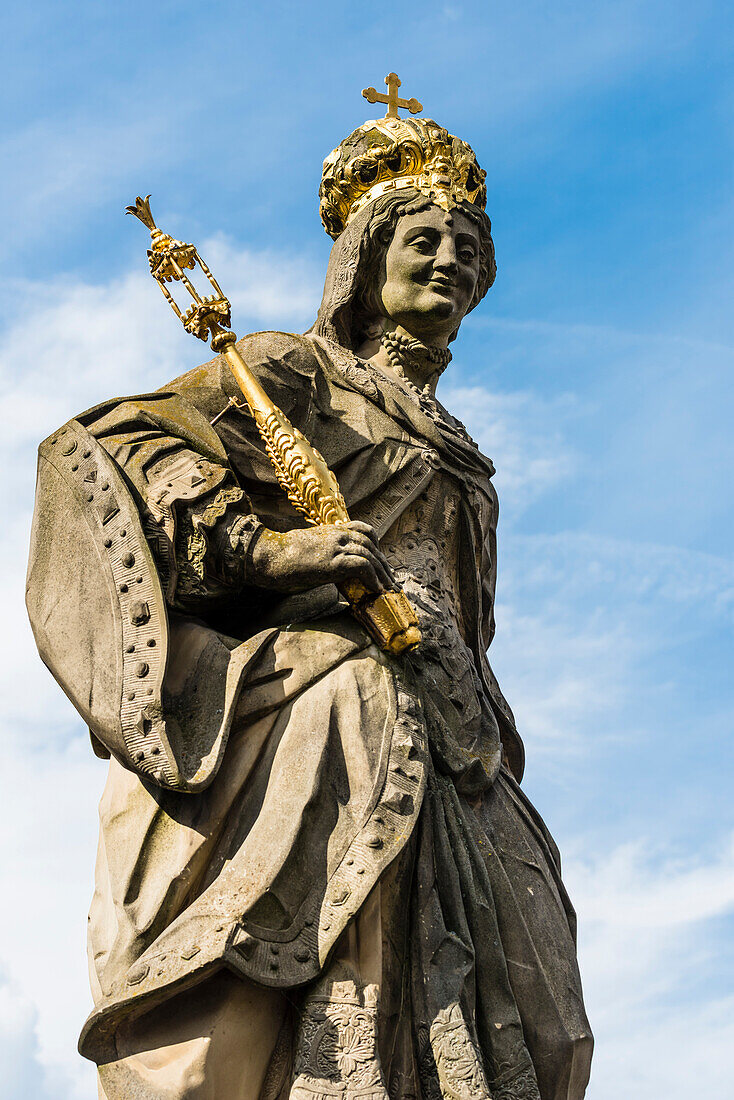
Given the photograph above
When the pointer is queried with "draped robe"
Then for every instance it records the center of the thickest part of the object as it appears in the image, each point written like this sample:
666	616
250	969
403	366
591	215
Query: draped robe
270	767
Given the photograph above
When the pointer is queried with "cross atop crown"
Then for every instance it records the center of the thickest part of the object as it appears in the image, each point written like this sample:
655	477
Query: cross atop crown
391	99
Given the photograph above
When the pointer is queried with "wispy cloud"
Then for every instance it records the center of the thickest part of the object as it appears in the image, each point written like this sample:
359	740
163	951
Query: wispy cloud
120	337
653	928
525	434
24	1075
266	287
572	566
48	820
591	635
598	335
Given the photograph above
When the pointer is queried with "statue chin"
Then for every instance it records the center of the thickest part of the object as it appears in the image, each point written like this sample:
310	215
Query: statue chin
430	316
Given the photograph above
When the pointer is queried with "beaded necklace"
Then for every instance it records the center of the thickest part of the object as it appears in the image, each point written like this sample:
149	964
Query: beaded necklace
401	350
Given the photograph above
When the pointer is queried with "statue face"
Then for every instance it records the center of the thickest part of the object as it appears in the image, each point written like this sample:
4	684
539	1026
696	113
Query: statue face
430	273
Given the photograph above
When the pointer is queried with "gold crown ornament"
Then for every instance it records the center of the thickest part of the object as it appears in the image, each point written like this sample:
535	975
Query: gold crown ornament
389	153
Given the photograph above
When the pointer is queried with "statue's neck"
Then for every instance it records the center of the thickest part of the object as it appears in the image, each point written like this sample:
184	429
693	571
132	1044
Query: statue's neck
396	352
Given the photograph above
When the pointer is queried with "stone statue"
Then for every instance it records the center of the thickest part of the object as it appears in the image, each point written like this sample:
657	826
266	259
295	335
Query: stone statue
317	874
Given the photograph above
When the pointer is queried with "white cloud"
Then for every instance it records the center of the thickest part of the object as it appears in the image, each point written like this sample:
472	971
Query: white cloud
581	336
584	563
524	435
120	337
588	627
265	287
650	939
650	418
633	889
23	1073
48	822
678	1054
563	678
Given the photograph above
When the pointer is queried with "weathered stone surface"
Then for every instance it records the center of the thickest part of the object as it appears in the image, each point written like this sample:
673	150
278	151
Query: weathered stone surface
317	875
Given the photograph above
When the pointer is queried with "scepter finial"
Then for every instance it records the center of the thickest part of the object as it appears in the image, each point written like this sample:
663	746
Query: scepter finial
160	240
169	260
391	99
141	210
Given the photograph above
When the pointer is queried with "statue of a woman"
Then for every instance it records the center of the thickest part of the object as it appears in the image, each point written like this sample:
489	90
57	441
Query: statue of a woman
317	873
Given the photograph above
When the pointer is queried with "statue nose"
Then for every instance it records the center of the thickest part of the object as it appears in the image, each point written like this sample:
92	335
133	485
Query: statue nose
446	259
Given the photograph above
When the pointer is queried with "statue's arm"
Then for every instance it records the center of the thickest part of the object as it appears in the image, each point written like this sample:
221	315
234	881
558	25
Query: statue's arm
140	514
210	544
266	546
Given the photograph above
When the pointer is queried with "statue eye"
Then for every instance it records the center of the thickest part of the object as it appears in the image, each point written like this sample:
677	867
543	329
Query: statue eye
423	245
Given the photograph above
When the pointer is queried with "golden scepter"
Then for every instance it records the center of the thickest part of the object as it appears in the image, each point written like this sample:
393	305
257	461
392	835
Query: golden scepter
309	483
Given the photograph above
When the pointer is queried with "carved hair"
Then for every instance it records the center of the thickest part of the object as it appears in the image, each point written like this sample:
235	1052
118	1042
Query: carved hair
351	300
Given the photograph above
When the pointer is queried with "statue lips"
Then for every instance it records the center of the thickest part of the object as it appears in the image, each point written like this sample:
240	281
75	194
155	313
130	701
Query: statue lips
442	283
446	289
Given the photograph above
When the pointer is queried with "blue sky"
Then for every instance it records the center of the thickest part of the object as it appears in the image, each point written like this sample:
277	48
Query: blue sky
597	374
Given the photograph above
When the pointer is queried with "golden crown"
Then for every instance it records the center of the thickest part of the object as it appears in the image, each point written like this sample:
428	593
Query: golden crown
389	153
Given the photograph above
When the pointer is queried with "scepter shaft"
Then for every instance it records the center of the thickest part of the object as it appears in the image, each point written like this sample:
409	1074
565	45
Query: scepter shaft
301	470
313	490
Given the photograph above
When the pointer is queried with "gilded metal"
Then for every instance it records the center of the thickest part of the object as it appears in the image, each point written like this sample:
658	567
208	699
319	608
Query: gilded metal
391	99
301	470
389	153
169	260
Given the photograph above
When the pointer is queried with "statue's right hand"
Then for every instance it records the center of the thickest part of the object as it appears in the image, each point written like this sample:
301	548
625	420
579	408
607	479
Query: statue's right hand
297	560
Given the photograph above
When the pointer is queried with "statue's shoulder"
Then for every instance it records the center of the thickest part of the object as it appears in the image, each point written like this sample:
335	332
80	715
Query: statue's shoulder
283	353
284	363
294	351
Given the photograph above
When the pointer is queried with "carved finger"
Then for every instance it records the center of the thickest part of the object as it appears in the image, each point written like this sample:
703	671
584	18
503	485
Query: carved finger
384	562
363	569
364	528
380	562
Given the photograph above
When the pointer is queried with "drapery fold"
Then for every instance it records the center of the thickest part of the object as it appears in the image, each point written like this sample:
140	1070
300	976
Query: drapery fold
343	771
